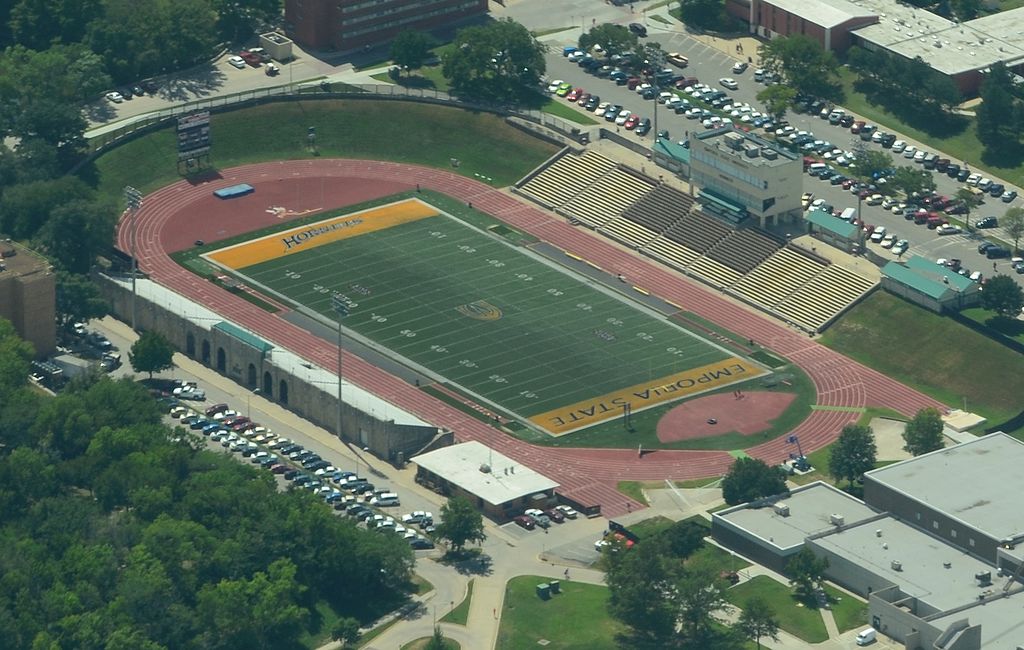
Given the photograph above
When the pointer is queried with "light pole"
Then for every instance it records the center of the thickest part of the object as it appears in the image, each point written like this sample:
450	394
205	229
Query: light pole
248	402
133	198
341	306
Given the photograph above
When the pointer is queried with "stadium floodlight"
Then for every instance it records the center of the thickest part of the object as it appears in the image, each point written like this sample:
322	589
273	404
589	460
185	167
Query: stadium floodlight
133	198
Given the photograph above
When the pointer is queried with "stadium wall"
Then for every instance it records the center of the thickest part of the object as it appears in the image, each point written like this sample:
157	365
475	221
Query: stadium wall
253	369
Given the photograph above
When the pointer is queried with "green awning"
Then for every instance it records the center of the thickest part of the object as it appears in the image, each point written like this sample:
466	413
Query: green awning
238	333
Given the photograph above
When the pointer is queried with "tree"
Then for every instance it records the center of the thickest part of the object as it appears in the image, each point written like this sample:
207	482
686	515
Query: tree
615	39
40	23
805	571
241	18
804	64
411	48
995	128
853	453
924	431
77	232
871	163
912	182
703	13
437	641
151	353
971	200
758	621
78	300
346	630
1013	224
966	9
641	582
750	479
500	62
699	593
777	99
461	523
1003	296
15	358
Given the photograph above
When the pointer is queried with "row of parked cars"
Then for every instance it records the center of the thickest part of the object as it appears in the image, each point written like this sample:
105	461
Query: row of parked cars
534	517
303	469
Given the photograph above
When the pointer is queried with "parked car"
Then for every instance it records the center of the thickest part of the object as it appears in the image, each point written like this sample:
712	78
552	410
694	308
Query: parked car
538	517
677	59
638	29
525	522
568	512
237	62
729	83
987	222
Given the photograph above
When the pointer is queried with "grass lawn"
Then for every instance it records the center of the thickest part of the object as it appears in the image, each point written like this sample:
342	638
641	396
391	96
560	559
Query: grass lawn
419	644
575	619
460	614
931	353
422	584
963	145
428	77
559	109
1011	328
849	611
324	618
381	130
661	19
793	618
634	490
718	558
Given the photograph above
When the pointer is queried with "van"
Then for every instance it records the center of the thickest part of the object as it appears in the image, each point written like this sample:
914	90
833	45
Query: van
385	499
816	168
848	215
864	637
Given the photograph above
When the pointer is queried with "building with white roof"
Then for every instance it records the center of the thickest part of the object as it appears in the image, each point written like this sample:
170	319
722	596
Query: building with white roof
827	21
497	485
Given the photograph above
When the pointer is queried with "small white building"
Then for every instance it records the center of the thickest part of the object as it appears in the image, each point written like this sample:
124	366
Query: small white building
499	486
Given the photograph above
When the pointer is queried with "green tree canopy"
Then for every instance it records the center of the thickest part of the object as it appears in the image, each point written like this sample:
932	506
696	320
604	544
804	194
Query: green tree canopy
78	299
151	353
803	64
708	14
612	38
499	62
346	630
15	357
870	163
923	432
461	523
1003	296
749	479
1013	224
777	99
806	571
411	48
758	621
853	453
912	181
77	232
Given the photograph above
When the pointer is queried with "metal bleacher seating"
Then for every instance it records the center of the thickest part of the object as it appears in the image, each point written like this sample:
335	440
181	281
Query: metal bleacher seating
744	249
824	297
606	198
777	277
698	232
660	209
566	177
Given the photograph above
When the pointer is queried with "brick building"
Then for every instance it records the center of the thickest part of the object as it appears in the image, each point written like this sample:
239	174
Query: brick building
351	24
28	296
827	21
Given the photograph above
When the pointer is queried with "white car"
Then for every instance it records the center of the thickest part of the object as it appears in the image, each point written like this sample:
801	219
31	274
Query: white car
729	83
888	203
910	151
919	156
623	116
899	146
984	183
874	199
114	96
601	108
640	88
901	247
237	61
889	241
948	229
567	511
973	179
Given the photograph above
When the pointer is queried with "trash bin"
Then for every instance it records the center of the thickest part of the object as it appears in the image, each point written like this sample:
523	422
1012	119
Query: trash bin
556	586
544	591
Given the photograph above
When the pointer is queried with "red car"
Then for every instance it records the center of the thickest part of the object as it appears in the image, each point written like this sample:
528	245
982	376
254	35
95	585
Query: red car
555	515
279	469
525	522
215	409
632	121
848	183
574	94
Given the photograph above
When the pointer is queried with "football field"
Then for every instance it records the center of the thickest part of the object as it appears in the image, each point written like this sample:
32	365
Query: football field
517	332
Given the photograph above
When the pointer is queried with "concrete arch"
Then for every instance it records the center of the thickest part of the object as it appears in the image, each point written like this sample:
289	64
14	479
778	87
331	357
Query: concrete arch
204	355
190	345
282	392
222	361
250	379
268	384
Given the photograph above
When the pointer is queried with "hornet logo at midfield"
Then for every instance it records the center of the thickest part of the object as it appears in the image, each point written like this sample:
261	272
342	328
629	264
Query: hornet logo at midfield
480	310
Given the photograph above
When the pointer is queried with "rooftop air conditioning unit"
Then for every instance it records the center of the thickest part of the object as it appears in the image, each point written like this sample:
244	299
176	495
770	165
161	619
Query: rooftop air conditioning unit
752	150
769	154
984	578
485	469
896	565
733	140
781	509
836	520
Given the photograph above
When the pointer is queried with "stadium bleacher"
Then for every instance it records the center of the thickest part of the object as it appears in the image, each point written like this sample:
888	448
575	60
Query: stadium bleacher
566	177
606	198
824	297
698	232
744	249
660	209
778	277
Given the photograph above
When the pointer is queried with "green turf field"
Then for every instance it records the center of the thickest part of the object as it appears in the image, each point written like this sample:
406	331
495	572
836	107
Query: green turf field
518	332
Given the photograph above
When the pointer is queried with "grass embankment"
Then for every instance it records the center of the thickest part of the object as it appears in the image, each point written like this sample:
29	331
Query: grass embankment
420	644
934	354
576	618
407	132
460	614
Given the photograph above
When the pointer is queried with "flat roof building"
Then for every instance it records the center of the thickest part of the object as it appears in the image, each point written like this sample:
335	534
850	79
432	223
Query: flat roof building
827	21
499	486
933	286
742	175
28	296
351	24
967	494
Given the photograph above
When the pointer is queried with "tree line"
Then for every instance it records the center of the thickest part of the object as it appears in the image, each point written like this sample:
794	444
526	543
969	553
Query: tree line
122	533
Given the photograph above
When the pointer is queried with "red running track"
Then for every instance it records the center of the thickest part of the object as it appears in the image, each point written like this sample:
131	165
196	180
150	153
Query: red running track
587	475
